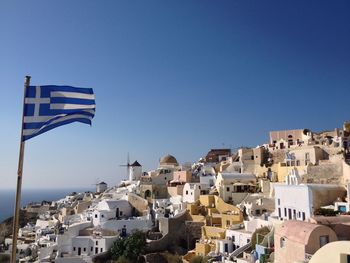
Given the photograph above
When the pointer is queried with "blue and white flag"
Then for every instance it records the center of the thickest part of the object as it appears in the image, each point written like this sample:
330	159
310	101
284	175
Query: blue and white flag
48	107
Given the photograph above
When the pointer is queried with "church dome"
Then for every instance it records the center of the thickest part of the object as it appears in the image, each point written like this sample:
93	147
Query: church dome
168	160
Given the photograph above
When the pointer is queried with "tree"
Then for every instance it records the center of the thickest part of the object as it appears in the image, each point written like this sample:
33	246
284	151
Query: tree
129	247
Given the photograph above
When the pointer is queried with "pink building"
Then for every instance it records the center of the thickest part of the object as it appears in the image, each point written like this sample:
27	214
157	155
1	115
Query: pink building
298	241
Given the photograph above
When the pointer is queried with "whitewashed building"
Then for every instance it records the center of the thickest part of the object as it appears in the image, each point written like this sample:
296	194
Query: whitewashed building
108	209
135	171
143	223
101	187
300	201
191	192
93	242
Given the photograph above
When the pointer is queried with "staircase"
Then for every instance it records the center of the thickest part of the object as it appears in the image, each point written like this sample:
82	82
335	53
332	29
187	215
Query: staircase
240	250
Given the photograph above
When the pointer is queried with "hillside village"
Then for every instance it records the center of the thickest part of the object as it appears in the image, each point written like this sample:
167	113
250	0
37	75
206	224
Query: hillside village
285	201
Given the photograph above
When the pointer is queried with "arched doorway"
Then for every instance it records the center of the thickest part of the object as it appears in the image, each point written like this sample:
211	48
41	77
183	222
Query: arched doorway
147	194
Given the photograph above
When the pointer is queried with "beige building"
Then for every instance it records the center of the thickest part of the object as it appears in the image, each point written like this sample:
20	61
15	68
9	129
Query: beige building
182	176
81	206
283	139
305	155
335	252
168	161
234	187
154	184
297	241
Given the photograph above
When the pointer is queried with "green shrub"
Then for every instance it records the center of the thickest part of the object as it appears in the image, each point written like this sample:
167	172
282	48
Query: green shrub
4	258
129	248
122	259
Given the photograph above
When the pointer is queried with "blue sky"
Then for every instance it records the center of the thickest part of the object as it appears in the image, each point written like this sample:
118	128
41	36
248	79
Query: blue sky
176	77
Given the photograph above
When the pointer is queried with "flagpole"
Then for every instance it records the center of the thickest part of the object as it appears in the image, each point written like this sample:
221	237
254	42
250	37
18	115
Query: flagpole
19	181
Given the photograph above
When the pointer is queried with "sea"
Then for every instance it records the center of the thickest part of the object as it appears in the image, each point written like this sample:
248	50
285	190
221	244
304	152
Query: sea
7	198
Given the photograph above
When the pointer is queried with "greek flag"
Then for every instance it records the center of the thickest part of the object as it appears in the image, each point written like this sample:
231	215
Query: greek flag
47	107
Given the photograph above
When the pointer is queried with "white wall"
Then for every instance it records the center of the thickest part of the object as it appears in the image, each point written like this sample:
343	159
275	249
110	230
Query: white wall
207	180
104	213
130	225
64	242
101	188
70	260
135	173
238	237
293	199
91	245
224	246
191	193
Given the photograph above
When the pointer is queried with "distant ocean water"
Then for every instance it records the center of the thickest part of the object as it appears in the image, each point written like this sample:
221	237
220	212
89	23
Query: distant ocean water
7	198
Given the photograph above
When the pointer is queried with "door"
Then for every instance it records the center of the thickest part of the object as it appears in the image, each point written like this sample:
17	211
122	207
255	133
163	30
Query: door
79	251
96	250
117	213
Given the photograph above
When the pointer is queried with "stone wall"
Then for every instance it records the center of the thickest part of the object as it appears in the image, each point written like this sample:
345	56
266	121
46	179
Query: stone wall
174	231
329	173
140	204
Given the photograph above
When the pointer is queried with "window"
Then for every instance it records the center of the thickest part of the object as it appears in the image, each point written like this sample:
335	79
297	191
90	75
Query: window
101	249
95	215
96	243
191	193
91	248
303	217
278	201
102	216
257	212
187	192
228	222
121	213
84	249
298	162
279	212
73	248
282	242
248	240
228	189
324	240
233	238
211	182
285	212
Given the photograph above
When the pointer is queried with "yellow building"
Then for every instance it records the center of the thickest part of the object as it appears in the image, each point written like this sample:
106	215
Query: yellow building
217	216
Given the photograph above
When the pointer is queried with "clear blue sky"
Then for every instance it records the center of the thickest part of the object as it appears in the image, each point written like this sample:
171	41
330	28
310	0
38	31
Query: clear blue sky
175	77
